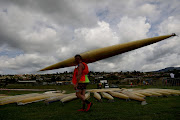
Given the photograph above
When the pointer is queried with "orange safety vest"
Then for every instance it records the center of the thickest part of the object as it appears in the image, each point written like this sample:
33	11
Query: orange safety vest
84	78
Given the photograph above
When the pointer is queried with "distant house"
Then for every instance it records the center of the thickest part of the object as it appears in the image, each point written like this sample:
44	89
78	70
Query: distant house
98	77
47	79
59	82
26	81
40	79
91	75
45	83
128	80
2	78
63	82
33	82
49	83
62	78
69	75
105	82
68	78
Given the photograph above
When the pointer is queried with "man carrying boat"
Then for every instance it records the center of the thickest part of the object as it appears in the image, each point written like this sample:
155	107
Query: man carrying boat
80	81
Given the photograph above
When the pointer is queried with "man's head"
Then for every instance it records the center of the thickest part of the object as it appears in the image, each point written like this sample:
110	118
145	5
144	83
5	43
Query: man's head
78	58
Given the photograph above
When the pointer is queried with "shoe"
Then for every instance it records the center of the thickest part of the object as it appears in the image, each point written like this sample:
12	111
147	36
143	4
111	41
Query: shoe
89	106
81	110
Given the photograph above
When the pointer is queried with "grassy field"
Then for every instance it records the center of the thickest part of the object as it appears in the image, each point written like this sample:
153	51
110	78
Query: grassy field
158	108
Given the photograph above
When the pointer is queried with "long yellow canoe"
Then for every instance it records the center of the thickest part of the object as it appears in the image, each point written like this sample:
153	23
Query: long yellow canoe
104	90
87	95
139	94
173	92
3	96
16	98
106	52
97	96
144	93
153	93
32	99
133	96
38	98
57	98
69	98
107	96
118	95
162	92
176	92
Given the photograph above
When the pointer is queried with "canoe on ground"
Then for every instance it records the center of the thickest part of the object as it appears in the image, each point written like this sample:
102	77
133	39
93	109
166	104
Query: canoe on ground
16	98
107	96
57	98
153	93
97	96
177	92
63	91
162	92
135	97
38	98
139	94
87	95
104	90
118	95
69	98
3	96
143	92
171	91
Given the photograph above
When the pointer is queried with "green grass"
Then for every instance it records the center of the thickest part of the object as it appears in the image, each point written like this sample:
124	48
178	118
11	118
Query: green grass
68	88
153	86
158	108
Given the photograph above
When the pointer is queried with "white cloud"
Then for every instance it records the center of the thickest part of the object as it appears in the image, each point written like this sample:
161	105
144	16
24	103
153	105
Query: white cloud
170	25
100	36
151	11
32	33
148	9
161	63
133	28
68	13
25	63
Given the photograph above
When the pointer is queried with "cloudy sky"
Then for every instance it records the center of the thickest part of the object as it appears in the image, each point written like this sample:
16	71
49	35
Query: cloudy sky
37	33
